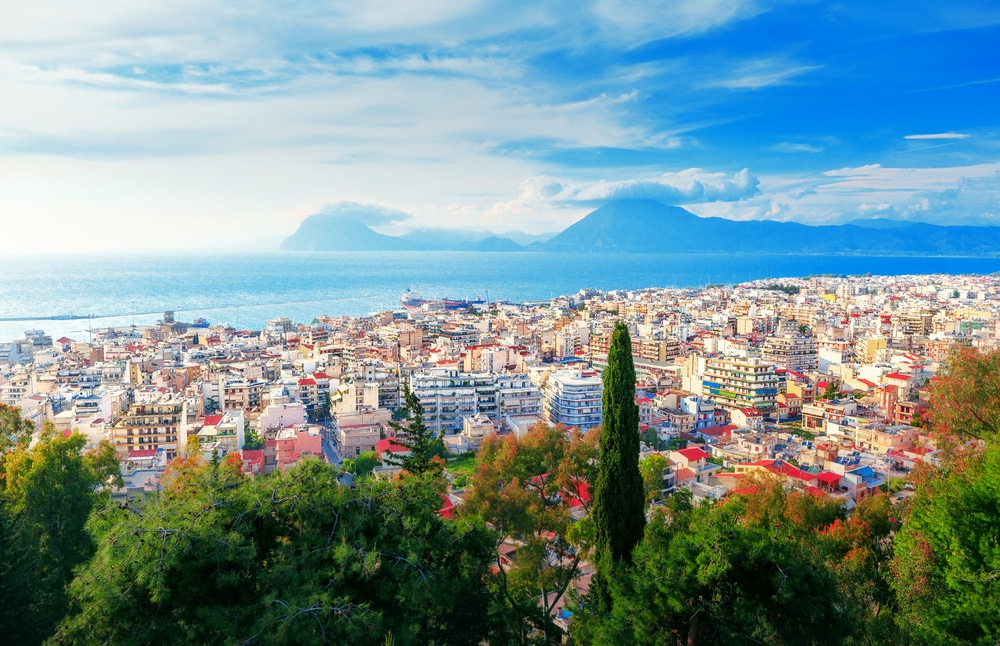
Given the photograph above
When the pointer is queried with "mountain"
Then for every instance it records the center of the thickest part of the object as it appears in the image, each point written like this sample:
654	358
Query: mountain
645	226
339	233
324	232
637	226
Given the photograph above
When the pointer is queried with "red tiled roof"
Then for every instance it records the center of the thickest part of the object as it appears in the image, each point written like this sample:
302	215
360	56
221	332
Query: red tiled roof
693	455
828	477
141	453
897	375
212	420
391	446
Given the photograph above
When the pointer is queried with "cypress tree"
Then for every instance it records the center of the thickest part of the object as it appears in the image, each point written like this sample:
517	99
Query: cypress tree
619	499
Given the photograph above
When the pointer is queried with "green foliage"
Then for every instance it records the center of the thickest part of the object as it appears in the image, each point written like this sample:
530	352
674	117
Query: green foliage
830	392
290	558
744	571
948	551
791	290
51	490
22	615
619	495
427	450
676	444
252	441
526	490
652	468
966	402
653	441
15	432
362	465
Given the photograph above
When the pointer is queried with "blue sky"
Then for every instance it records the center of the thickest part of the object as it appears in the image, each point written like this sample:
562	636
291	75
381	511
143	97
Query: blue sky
201	123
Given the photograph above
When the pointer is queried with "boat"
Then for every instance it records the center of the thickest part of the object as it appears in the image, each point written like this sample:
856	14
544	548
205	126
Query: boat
413	300
199	323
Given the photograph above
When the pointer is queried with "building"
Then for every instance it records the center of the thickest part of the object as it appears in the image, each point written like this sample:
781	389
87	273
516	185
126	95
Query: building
448	396
154	425
573	398
518	396
791	353
741	383
222	434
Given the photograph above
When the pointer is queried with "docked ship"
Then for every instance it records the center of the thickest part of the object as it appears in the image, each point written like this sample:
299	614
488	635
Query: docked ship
413	300
199	323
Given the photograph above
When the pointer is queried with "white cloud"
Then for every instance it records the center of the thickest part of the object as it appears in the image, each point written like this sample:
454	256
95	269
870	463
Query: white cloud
792	148
370	213
767	72
939	135
690	186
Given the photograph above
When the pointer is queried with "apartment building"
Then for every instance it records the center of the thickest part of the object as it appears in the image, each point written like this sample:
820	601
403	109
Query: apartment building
790	352
740	383
157	423
448	395
517	396
573	398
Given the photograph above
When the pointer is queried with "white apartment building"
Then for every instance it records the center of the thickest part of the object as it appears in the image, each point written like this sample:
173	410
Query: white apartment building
573	398
448	395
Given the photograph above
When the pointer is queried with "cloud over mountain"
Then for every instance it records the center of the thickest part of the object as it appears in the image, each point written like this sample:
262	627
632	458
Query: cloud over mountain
692	186
371	214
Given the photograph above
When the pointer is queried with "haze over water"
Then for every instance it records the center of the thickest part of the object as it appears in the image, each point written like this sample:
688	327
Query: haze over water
246	290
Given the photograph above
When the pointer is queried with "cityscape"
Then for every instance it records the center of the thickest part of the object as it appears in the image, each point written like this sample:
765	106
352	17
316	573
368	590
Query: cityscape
611	323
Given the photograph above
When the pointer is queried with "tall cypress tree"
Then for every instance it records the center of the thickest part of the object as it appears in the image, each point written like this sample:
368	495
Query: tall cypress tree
619	499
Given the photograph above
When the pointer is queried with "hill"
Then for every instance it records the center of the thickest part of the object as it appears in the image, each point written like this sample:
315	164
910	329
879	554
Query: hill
323	232
646	226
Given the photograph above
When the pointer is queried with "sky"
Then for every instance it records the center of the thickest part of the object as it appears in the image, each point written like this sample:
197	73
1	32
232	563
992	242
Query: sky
203	124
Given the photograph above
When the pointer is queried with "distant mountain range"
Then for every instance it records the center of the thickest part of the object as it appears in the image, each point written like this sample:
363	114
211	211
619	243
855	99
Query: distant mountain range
345	233
644	226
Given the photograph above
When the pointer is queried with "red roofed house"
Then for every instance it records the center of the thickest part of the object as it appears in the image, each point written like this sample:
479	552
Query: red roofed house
253	461
901	381
692	464
391	447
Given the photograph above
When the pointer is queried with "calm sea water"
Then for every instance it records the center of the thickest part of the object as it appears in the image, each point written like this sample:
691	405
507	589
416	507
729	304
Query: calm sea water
248	289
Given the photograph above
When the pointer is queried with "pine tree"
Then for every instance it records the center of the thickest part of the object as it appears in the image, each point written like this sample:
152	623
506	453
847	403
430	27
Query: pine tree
619	496
423	443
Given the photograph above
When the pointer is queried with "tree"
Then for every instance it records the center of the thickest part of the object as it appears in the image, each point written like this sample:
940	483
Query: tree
742	571
619	496
21	616
15	432
426	447
252	441
831	391
946	554
291	558
529	490
965	400
211	404
652	468
947	557
52	488
362	465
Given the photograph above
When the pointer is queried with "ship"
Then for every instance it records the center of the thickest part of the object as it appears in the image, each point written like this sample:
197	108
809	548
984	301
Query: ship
413	300
199	323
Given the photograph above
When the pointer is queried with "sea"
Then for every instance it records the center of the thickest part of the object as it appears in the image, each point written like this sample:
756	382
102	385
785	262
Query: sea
247	289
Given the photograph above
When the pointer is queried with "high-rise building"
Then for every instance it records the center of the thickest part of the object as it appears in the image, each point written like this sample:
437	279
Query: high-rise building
573	398
791	352
741	383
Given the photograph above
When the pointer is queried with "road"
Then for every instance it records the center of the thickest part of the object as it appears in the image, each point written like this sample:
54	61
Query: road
330	447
